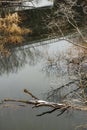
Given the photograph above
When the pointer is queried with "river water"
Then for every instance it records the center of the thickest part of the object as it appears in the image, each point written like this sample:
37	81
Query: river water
29	67
41	68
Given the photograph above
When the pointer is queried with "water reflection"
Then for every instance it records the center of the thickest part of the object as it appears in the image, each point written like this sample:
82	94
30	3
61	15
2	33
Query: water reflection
18	59
57	61
37	58
71	76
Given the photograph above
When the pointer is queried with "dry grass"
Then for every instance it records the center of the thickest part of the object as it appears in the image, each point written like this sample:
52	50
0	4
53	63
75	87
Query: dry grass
10	26
3	51
15	39
11	32
14	29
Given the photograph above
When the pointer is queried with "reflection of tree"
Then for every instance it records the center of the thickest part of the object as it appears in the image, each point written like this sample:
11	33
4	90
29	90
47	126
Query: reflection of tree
17	59
63	91
68	95
73	92
56	65
71	66
61	61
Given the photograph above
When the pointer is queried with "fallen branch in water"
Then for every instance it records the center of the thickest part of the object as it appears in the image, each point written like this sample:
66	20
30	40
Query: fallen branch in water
38	103
62	107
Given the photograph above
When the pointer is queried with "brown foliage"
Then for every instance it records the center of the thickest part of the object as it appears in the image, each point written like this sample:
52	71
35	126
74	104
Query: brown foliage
11	32
9	26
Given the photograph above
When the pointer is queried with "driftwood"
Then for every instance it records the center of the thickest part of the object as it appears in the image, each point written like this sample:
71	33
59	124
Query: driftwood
36	102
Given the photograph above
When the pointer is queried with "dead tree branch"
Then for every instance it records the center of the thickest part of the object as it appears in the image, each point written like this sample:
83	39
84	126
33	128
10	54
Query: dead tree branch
26	91
62	107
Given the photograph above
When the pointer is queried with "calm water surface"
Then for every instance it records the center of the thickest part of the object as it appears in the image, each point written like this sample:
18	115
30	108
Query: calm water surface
29	67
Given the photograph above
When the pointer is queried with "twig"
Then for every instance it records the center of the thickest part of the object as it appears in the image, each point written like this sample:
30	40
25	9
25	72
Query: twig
28	92
21	101
75	26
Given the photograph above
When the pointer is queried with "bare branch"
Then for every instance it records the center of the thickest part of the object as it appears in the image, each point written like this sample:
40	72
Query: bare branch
28	92
62	107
